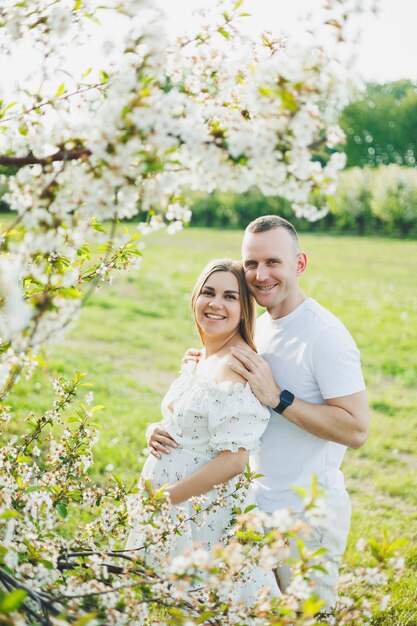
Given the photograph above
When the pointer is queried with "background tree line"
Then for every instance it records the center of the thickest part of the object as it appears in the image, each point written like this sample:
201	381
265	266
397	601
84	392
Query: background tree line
377	192
381	125
368	201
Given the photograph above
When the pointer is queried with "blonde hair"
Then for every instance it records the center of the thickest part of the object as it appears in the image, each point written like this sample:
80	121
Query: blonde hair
247	302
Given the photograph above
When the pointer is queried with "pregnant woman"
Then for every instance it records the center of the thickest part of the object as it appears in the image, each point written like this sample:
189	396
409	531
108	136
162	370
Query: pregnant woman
214	418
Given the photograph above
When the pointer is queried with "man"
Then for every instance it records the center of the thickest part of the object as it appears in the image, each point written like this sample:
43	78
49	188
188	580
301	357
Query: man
308	371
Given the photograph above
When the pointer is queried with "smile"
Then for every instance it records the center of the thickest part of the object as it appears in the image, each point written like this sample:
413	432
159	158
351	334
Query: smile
266	287
212	316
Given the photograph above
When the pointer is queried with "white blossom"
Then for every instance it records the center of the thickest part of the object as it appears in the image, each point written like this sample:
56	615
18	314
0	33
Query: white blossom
299	587
14	312
282	519
384	602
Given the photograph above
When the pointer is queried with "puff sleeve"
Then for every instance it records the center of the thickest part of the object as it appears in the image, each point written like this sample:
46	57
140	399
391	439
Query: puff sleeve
236	418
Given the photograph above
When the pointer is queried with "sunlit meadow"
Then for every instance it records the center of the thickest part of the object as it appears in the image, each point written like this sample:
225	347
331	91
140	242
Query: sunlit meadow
131	337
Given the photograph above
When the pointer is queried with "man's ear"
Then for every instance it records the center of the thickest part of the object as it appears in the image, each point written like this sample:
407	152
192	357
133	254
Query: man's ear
301	263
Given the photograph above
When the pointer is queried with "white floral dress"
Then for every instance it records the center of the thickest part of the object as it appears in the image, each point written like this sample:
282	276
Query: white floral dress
205	418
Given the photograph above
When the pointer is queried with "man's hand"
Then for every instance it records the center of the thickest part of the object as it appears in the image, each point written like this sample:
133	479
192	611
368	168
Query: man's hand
193	355
258	374
160	441
344	419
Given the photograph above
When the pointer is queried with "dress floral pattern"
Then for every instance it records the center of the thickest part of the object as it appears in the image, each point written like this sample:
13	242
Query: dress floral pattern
205	418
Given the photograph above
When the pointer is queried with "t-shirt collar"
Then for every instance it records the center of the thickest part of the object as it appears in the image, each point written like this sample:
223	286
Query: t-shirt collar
287	319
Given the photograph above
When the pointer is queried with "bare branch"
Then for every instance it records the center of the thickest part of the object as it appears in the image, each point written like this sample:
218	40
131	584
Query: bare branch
60	155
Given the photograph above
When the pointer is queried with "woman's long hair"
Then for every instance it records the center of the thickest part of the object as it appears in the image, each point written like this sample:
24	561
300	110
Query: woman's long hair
247	302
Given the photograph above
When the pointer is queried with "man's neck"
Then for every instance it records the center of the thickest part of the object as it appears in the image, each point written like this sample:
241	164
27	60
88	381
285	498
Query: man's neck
287	306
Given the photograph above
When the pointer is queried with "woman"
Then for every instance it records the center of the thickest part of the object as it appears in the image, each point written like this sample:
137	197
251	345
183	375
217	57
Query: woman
213	416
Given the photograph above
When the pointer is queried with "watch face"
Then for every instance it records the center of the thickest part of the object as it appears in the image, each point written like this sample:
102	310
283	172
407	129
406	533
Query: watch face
287	397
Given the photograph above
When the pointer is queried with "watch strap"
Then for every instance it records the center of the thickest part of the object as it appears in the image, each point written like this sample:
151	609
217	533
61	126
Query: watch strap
285	400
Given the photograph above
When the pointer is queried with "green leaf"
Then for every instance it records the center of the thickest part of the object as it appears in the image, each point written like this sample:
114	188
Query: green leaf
62	509
104	77
11	601
70	292
224	33
97	226
75	495
86	619
6	108
77	6
9	514
300	545
289	101
23	459
255	476
319	568
97	408
61	89
301	491
38	360
265	91
318	552
118	479
312	606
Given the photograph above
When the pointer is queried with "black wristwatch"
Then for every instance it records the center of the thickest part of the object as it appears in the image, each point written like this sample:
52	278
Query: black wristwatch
285	400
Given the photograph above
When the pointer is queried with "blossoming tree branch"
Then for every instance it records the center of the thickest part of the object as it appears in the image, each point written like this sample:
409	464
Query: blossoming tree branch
159	118
156	118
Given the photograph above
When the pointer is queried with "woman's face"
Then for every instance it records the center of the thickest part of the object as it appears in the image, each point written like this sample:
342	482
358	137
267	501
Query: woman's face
217	309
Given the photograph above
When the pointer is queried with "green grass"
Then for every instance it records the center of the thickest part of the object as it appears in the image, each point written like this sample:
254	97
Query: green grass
131	337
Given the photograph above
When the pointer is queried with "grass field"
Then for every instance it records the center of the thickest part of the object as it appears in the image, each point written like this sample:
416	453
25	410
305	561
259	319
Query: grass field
131	337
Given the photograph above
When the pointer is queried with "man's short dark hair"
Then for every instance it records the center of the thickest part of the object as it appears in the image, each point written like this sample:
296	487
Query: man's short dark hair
270	222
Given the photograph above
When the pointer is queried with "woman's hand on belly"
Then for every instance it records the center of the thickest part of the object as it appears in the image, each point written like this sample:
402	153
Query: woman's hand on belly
160	441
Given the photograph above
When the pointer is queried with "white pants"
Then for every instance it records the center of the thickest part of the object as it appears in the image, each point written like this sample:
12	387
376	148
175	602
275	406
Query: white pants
332	536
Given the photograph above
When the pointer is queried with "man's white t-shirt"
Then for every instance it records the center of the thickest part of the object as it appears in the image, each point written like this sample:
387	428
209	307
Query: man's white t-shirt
311	354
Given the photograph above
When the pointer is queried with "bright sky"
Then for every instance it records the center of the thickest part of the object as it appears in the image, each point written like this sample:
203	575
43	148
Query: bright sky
389	45
388	50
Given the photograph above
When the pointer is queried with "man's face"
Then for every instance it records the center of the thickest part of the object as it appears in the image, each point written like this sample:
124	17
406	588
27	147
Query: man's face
272	264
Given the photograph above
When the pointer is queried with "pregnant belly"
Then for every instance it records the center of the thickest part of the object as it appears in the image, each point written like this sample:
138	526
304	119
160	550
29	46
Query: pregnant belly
171	468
